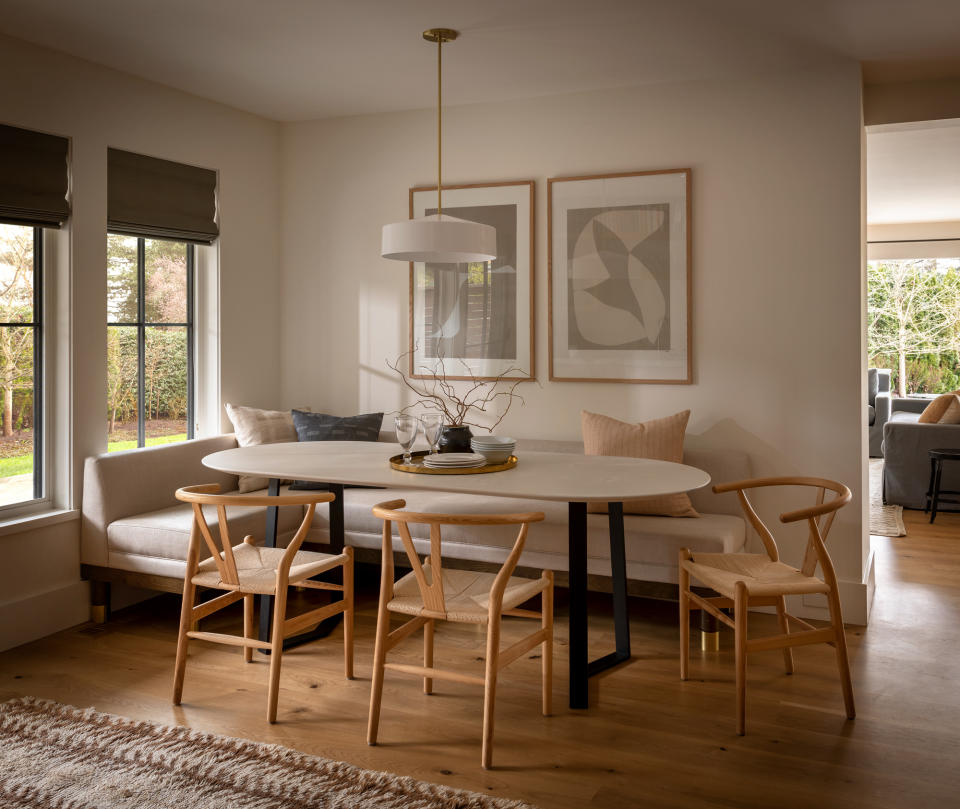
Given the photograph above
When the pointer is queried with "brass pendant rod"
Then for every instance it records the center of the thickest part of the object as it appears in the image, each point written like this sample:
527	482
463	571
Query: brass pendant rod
440	35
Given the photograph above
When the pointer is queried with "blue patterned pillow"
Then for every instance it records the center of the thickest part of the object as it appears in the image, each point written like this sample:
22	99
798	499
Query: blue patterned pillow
324	427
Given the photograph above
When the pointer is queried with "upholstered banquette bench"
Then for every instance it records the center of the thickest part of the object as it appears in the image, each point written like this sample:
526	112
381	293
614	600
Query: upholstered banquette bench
134	530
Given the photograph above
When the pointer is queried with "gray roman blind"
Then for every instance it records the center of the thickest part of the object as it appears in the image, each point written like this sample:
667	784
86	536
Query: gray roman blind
33	178
160	199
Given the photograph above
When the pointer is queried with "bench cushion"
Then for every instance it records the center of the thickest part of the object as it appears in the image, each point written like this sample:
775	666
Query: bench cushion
652	543
165	534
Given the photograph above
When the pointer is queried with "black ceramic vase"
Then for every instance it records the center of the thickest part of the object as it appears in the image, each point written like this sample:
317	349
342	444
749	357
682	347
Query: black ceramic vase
455	438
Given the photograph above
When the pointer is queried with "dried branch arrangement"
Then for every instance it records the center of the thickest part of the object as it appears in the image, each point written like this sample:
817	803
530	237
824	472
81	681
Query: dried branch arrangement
438	395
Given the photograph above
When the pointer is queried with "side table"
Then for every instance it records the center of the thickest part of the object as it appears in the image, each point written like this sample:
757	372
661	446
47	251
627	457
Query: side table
934	493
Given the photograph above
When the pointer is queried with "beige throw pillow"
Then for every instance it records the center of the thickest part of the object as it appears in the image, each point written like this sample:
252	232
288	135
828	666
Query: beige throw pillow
660	440
254	426
944	409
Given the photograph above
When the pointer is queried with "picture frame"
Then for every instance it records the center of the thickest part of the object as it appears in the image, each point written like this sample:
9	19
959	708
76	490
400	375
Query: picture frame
476	322
619	277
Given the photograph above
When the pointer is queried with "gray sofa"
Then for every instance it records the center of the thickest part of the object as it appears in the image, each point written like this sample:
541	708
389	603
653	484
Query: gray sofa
906	462
878	407
134	531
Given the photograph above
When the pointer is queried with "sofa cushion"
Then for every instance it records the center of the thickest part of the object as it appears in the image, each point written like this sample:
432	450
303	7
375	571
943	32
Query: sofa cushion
944	409
658	439
253	427
650	541
324	427
871	414
165	533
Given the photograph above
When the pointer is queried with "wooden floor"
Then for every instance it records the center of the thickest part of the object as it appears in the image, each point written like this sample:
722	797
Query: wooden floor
647	741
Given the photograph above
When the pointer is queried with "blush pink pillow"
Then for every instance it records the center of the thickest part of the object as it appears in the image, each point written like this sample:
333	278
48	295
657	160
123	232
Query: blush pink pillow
659	439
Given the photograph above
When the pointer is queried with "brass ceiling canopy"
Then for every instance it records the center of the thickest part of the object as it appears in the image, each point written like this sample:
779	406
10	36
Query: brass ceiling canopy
440	35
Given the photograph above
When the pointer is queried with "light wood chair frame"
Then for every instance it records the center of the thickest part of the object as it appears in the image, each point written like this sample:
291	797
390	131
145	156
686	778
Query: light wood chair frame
435	609
819	518
191	612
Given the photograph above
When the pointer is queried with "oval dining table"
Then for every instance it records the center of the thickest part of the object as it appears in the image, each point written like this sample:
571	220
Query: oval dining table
566	477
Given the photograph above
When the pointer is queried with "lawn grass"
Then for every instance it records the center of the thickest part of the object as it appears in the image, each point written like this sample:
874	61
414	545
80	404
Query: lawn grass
19	465
23	464
117	446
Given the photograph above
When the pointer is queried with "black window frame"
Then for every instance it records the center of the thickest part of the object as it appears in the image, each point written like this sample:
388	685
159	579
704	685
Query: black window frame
38	376
142	325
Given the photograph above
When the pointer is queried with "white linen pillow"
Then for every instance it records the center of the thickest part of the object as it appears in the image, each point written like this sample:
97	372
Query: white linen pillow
254	426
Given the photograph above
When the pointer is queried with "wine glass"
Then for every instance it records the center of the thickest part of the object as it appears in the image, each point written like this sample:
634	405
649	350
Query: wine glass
407	428
432	424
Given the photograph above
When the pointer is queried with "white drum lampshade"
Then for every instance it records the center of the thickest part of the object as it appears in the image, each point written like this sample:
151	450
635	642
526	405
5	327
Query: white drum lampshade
439	239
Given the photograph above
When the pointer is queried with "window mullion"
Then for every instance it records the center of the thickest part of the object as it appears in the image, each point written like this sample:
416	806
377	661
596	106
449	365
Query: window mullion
38	365
141	339
191	255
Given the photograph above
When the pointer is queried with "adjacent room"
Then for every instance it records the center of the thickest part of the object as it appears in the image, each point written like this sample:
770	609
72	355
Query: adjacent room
479	404
913	318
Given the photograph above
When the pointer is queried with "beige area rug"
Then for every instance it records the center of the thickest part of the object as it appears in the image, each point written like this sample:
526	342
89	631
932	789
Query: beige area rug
885	521
55	756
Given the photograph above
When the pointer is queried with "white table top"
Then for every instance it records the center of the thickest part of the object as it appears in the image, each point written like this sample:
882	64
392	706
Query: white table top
538	475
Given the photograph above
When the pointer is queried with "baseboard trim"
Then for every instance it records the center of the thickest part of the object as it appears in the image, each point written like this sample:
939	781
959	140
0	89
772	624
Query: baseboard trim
855	600
43	614
870	579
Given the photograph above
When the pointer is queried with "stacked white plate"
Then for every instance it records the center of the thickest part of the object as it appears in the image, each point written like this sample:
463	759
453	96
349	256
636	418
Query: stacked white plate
495	448
454	460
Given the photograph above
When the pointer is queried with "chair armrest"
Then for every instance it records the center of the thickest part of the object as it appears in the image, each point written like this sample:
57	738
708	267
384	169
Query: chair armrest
883	406
909	405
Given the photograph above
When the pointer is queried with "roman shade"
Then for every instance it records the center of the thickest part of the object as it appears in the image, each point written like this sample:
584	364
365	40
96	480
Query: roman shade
33	178
160	199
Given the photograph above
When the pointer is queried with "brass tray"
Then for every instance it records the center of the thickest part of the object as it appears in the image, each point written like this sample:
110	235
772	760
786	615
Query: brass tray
417	467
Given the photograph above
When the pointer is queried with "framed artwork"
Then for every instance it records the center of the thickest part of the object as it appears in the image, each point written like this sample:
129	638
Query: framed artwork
476	320
619	267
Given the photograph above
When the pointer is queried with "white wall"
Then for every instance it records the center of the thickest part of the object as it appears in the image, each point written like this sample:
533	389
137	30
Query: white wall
777	273
97	108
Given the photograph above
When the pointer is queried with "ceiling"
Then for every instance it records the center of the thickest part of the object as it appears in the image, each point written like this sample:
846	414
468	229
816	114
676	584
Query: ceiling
913	173
293	60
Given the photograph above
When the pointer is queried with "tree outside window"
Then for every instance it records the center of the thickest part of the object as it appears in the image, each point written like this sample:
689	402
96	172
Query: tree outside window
149	339
20	320
913	311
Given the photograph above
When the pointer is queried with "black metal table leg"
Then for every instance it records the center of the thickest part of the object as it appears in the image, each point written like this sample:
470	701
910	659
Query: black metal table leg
269	541
336	518
618	570
324	628
577	551
621	613
581	669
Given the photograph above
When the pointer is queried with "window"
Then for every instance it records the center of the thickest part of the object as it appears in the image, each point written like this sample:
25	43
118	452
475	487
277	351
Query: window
21	364
913	323
150	375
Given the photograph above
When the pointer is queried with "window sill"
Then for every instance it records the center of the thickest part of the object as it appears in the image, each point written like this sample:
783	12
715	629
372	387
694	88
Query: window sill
41	519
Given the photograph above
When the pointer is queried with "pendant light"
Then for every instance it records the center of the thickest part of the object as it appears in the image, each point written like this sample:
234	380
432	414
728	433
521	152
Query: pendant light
438	238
